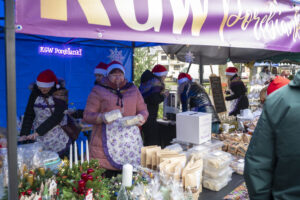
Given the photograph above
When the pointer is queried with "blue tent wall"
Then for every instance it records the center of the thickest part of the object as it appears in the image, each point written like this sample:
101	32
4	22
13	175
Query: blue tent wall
77	71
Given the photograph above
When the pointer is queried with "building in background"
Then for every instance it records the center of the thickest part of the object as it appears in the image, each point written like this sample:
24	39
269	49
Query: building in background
175	66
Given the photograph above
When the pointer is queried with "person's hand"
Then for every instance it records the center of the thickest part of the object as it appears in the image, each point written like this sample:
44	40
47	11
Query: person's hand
70	111
22	138
101	119
32	136
141	120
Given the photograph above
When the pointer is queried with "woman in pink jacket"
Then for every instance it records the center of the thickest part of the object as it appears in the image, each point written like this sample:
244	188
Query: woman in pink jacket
114	92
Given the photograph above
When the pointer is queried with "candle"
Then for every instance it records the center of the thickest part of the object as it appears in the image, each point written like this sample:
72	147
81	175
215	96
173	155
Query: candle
81	151
87	151
30	179
127	175
42	171
71	156
76	153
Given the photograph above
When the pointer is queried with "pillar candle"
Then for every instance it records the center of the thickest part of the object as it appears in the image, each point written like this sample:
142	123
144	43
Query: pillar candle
127	175
71	156
81	151
87	151
76	153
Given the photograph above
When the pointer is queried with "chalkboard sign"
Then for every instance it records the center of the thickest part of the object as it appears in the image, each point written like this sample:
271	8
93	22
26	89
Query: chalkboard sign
217	93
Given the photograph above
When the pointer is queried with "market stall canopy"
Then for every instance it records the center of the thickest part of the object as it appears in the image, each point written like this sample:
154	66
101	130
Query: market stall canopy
258	24
215	55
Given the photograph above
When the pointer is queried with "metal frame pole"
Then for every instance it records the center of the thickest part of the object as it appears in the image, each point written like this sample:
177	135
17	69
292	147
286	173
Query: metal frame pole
132	61
10	61
201	71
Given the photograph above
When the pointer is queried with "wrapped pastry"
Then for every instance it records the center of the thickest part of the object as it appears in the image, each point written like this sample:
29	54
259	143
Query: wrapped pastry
112	115
193	165
246	138
151	153
217	160
242	148
164	153
233	148
238	165
143	154
131	120
175	147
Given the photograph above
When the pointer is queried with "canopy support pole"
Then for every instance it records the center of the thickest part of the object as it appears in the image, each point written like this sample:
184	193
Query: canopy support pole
132	61
200	70
11	110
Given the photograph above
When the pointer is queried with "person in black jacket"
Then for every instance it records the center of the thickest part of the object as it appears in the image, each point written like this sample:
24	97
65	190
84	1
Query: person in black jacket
153	90
238	92
45	115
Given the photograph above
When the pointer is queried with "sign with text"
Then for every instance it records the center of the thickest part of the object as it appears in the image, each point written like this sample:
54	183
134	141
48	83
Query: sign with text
262	24
217	93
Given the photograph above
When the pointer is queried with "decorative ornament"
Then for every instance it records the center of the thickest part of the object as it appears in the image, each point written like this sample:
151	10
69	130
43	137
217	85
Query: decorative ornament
116	55
84	176
90	171
189	57
90	178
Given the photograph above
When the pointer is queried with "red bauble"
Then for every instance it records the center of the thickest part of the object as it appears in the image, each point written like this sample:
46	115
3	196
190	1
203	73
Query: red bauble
90	177
81	183
90	171
84	177
74	189
29	191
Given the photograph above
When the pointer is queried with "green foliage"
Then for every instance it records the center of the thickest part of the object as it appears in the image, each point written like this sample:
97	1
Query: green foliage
67	180
142	61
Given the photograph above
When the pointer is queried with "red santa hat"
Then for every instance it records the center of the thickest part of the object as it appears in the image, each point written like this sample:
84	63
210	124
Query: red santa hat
231	71
101	68
159	70
47	79
115	65
277	83
184	77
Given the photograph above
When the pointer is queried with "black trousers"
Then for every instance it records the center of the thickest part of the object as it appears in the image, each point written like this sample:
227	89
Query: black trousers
151	132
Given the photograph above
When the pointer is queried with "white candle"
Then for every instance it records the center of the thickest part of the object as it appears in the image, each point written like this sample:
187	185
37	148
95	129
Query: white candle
87	151
71	156
127	175
76	153
81	151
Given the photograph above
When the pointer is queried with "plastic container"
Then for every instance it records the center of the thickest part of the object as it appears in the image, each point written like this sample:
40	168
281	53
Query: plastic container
238	165
217	174
214	145
217	160
175	147
216	184
198	151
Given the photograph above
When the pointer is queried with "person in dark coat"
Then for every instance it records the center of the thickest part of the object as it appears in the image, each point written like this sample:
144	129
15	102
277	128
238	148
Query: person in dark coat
194	97
238	92
272	161
45	114
153	90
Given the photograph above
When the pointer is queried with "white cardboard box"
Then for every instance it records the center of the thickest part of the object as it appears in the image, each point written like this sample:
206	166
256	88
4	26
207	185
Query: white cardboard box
193	127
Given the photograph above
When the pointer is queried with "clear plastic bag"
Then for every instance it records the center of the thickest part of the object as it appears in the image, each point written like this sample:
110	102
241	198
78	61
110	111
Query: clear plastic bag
47	159
131	120
113	115
175	147
238	165
217	160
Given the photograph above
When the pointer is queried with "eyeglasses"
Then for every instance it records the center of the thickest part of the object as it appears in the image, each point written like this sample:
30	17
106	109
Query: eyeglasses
116	75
